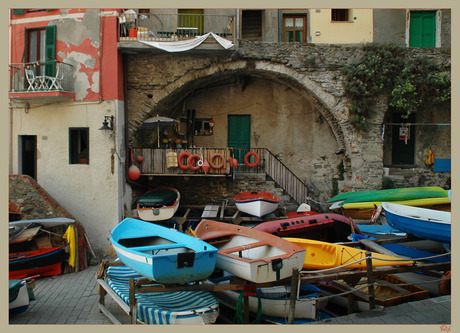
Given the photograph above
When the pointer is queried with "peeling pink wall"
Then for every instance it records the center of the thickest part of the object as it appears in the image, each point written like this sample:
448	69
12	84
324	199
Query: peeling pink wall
103	79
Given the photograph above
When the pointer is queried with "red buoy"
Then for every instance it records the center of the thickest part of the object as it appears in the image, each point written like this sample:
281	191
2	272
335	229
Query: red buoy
134	172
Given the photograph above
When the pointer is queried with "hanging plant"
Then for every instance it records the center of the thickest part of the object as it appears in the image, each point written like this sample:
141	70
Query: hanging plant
385	70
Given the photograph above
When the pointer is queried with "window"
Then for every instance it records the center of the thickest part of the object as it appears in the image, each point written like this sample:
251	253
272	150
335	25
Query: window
41	47
251	25
340	15
203	126
294	28
78	145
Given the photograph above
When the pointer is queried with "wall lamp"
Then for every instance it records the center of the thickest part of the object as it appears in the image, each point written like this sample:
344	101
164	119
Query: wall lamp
107	124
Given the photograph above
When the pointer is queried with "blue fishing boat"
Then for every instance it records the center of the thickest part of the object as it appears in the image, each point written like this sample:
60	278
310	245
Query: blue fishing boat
421	222
162	254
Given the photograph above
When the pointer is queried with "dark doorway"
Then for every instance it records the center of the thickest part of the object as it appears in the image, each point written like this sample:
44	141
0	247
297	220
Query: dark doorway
28	155
402	153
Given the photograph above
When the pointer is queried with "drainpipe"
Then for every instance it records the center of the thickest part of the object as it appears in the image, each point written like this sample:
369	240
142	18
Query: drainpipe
237	28
280	26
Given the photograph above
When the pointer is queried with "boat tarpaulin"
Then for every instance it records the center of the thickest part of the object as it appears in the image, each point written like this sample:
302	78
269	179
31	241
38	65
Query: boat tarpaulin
186	45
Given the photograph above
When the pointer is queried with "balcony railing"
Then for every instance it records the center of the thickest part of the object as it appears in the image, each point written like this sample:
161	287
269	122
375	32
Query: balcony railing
174	27
41	77
163	162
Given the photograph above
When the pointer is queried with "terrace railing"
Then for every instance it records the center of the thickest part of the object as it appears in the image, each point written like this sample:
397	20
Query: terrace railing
162	162
173	27
41	77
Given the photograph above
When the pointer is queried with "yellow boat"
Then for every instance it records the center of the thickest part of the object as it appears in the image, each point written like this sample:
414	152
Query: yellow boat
323	255
414	202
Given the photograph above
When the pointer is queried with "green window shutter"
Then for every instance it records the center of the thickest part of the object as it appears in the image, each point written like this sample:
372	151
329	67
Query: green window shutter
18	11
50	50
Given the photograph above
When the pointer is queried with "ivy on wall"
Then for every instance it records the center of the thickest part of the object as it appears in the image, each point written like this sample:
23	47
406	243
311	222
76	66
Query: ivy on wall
385	70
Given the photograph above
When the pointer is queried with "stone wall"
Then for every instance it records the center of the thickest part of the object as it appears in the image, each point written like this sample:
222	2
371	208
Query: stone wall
172	83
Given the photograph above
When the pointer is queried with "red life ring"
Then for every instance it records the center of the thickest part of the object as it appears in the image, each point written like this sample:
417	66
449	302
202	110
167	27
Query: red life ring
246	159
179	160
217	166
190	161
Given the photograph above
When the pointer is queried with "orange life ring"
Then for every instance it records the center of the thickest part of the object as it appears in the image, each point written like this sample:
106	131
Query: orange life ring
190	161
246	159
217	166
179	160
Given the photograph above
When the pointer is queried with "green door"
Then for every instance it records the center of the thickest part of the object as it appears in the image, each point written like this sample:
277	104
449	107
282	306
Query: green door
239	135
422	29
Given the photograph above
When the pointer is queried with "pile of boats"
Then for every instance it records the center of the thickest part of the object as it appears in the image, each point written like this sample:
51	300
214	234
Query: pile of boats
34	253
233	264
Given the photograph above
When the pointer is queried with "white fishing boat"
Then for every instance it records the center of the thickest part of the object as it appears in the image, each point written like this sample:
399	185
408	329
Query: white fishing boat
256	203
251	254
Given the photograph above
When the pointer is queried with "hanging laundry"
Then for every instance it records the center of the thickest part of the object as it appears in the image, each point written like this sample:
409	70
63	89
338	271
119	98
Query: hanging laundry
70	237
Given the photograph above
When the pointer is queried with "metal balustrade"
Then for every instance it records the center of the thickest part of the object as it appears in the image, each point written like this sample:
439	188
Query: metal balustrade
154	162
41	77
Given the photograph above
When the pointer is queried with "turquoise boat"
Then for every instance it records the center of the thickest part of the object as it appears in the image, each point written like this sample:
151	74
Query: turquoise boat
164	255
389	195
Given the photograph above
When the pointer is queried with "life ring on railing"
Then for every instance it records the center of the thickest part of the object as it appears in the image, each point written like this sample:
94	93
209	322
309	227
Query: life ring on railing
179	160
246	159
217	166
190	161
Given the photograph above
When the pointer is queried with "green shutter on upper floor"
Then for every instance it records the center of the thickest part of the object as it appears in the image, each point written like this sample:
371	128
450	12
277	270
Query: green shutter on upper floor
50	50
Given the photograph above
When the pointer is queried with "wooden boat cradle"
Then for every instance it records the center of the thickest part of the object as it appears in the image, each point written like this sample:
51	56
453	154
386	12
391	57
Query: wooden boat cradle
298	277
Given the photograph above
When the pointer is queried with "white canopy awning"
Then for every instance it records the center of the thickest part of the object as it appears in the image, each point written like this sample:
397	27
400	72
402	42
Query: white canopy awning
186	45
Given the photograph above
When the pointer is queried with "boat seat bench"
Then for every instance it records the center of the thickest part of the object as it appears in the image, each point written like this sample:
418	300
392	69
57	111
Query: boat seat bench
240	248
158	247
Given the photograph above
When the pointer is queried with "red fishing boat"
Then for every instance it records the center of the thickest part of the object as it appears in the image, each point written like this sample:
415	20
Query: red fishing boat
328	227
42	262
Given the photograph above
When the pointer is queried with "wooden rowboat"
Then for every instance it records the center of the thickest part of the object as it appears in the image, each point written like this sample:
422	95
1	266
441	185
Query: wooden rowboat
158	204
323	255
389	290
421	222
251	254
274	301
256	203
162	254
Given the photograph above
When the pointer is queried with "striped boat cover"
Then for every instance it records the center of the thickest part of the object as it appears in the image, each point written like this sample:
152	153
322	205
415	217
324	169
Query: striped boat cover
160	307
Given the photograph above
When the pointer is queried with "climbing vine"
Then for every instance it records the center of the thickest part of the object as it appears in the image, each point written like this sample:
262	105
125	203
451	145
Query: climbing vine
385	70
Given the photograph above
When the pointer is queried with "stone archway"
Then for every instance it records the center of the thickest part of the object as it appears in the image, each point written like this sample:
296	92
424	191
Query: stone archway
174	80
332	108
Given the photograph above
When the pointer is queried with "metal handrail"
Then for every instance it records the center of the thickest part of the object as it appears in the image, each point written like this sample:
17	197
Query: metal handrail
38	76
